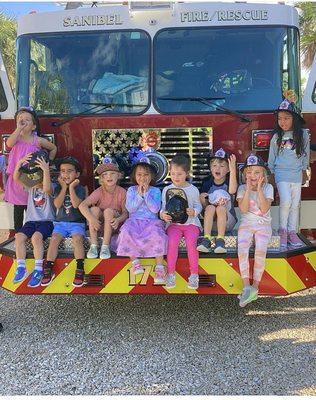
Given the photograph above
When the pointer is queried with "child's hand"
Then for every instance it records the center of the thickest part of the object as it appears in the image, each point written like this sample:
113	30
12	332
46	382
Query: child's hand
232	163
74	183
304	177
114	223
142	189
204	198
261	182
190	212
25	159
222	201
94	223
44	166
62	183
248	183
166	217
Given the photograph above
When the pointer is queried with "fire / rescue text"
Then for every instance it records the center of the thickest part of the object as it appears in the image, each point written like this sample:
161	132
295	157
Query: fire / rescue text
90	20
230	15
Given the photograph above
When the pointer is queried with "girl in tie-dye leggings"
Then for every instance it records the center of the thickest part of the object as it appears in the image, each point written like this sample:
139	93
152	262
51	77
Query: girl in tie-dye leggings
254	201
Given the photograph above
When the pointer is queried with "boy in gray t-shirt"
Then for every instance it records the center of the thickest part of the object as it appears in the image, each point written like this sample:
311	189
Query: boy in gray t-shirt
38	224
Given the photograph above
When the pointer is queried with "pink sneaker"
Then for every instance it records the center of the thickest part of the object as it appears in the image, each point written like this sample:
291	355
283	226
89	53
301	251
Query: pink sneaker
283	238
294	239
137	269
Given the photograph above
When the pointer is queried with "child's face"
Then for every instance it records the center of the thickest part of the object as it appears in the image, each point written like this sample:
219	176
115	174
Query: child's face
109	178
253	174
26	120
68	173
219	169
178	175
285	120
142	176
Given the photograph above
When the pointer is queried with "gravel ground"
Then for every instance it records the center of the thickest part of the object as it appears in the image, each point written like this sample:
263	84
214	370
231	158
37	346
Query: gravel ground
171	345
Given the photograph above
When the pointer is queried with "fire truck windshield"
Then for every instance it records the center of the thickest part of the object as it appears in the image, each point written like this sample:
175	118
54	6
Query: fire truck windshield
247	67
60	73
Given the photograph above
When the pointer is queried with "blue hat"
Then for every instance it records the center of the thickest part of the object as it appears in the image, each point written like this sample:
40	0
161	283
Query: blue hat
221	154
291	107
254	160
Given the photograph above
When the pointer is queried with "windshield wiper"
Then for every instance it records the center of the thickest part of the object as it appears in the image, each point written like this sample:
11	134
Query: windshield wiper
210	101
97	107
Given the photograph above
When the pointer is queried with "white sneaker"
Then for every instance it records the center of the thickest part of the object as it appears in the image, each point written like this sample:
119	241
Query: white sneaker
171	281
93	251
193	282
105	252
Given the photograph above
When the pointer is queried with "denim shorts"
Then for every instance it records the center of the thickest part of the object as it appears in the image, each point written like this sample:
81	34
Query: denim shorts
69	229
44	227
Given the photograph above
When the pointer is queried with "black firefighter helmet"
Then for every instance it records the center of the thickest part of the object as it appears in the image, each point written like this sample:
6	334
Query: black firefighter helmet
176	205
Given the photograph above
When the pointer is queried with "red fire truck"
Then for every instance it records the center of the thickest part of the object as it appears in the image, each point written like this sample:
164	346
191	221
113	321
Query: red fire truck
190	77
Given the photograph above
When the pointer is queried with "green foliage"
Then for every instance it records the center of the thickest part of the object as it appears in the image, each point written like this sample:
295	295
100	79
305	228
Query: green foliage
307	10
7	45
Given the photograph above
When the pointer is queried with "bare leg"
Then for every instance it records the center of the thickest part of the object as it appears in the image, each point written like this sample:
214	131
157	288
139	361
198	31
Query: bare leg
159	260
93	233
38	247
20	248
208	219
108	216
77	242
53	247
221	213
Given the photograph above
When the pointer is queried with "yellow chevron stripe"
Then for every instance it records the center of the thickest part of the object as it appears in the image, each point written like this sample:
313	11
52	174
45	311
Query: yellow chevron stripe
226	276
120	283
8	282
311	258
62	283
282	272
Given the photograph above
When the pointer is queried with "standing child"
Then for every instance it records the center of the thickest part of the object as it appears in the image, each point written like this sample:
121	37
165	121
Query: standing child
218	201
38	225
69	221
288	161
254	201
187	225
22	141
106	205
143	234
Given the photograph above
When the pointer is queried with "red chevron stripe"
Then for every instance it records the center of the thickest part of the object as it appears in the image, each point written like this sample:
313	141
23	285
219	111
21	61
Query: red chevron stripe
5	263
303	269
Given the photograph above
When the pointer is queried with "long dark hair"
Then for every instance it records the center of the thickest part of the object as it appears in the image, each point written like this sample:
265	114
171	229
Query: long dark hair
297	134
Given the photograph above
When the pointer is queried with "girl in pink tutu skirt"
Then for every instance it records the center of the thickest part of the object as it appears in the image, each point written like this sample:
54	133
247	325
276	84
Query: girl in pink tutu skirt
143	234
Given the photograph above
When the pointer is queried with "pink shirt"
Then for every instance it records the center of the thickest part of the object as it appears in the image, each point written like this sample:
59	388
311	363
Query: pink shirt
14	192
103	199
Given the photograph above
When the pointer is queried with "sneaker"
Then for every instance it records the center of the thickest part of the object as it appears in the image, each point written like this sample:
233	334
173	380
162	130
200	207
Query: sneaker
160	275
171	281
294	240
48	276
204	246
193	281
36	278
137	269
220	246
20	274
79	277
105	252
248	295
93	251
283	238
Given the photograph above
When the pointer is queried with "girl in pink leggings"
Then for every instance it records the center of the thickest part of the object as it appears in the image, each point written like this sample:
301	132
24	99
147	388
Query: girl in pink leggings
180	209
254	201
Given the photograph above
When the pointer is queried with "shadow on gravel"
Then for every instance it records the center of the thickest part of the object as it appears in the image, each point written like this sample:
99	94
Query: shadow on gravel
157	345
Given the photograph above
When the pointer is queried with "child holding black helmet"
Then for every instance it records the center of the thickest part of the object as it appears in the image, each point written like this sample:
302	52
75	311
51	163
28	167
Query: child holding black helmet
24	140
40	214
182	217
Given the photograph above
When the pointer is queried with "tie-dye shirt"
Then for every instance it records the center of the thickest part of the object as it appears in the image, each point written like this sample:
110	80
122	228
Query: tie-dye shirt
254	213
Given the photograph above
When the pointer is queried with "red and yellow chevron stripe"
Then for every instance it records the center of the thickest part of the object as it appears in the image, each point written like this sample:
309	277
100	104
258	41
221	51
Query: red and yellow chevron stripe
282	276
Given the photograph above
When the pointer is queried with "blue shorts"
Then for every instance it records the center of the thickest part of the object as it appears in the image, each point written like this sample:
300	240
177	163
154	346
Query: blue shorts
44	227
69	229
